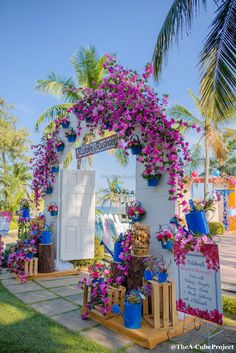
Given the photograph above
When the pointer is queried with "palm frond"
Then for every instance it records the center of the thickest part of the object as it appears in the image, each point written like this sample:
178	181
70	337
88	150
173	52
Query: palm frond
196	157
216	143
52	113
55	85
218	65
69	158
180	112
121	156
178	19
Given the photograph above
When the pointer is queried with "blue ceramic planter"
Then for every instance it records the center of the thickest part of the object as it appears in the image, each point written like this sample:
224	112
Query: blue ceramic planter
45	237
136	218
168	245
49	190
25	212
60	148
197	222
153	182
30	256
71	138
55	169
65	125
148	275
54	213
117	250
136	150
162	277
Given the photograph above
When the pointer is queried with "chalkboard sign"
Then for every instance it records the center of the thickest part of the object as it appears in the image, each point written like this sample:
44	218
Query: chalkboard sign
199	284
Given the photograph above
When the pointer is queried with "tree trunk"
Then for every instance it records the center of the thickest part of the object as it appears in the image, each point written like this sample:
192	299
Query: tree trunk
206	167
135	272
46	258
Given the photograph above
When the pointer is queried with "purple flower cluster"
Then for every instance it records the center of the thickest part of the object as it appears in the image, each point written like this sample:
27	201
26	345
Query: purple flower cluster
1	253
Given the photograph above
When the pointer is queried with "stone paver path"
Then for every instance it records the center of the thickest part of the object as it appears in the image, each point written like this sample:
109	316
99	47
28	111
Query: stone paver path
61	300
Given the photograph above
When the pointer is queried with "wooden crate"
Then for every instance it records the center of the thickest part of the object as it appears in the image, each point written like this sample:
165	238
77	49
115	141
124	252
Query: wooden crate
31	267
116	296
159	310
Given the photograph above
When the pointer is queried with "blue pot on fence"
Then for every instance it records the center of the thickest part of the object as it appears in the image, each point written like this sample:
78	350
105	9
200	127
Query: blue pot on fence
71	138
167	245
45	237
136	218
30	256
148	275
136	150
162	277
55	169
117	250
153	181
25	212
54	213
49	190
65	125
132	314
197	222
60	148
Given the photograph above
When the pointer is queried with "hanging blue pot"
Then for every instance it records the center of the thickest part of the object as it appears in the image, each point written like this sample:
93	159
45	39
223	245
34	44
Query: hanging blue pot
71	138
45	237
65	125
148	275
167	245
136	218
197	222
25	212
54	213
87	120
117	250
55	169
162	277
153	181
136	150
30	256
49	190
60	148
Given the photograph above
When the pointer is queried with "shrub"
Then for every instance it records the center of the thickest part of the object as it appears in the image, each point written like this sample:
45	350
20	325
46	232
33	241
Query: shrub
229	304
216	228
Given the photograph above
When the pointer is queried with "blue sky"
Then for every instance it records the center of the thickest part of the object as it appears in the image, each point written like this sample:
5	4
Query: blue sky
41	36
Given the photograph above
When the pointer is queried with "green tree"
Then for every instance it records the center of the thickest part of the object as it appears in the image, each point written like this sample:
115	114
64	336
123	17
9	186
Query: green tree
217	59
211	140
14	169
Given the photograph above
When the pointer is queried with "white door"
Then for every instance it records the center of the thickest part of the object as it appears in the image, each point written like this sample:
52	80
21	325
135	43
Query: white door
77	214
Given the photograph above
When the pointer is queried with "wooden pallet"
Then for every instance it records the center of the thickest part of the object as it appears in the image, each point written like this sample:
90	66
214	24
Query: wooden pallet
159	309
51	274
31	267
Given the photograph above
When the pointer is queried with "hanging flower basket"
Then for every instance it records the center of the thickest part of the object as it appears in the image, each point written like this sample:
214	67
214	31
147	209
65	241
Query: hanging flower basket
136	218
55	169
87	120
135	145
197	221
60	145
152	179
166	236
53	209
71	135
49	190
71	138
65	123
135	211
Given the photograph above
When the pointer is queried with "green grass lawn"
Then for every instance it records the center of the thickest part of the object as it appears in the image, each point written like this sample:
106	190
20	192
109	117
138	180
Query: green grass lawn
229	309
23	330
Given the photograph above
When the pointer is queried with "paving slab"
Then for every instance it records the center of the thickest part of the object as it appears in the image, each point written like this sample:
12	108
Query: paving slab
106	338
58	282
73	321
10	281
77	298
21	288
54	307
37	296
54	278
67	290
6	275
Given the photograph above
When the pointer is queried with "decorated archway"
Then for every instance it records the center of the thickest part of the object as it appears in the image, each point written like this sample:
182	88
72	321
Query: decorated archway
125	105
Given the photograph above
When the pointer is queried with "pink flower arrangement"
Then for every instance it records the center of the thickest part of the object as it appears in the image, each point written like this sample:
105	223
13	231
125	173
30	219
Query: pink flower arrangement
52	207
1	253
135	209
165	235
70	132
59	142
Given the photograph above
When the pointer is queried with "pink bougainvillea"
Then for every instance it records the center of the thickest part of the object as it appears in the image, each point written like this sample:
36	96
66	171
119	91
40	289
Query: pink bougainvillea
1	253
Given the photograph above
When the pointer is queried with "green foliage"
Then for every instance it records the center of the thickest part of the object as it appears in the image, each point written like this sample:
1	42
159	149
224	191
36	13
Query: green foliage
229	305
216	228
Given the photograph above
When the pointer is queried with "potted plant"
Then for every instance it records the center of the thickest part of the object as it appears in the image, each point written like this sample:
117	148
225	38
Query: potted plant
49	188
71	135
162	268
53	209
166	237
65	123
135	211
153	178
60	145
25	208
55	168
135	145
149	263
196	219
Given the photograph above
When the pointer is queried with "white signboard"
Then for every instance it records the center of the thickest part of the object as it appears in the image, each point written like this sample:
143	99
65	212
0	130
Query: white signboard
199	285
104	144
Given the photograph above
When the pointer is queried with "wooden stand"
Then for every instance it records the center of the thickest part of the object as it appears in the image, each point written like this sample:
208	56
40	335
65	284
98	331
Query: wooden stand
46	258
163	309
31	267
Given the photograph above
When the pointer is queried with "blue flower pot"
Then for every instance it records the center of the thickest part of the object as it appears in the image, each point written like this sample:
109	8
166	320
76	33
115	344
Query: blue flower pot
87	120
133	315
71	138
45	237
136	150
65	125
197	222
153	182
60	148
49	190
162	277
168	245
107	126
136	218
117	250
25	212
55	169
30	256
148	275
54	213
35	232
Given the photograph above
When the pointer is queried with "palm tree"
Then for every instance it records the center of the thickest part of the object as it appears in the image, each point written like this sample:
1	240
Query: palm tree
115	194
217	58
88	73
211	139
